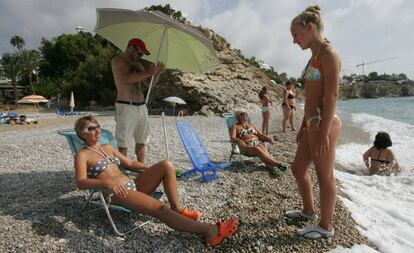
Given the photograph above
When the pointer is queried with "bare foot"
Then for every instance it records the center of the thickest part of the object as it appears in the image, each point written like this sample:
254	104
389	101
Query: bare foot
212	232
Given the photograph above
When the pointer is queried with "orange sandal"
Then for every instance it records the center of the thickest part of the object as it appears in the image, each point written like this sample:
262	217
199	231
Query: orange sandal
195	215
226	230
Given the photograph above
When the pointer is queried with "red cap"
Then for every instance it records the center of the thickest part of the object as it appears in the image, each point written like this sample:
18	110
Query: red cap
140	44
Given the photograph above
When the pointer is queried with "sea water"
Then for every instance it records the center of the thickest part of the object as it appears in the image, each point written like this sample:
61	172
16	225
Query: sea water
382	206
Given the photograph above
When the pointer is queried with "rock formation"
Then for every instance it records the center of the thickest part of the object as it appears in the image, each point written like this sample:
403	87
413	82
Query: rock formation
376	89
235	85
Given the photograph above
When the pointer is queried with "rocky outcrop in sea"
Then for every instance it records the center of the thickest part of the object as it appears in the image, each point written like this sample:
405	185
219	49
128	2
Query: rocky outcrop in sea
374	89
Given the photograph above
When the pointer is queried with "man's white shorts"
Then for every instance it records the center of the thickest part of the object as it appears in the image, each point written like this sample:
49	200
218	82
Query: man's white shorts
131	121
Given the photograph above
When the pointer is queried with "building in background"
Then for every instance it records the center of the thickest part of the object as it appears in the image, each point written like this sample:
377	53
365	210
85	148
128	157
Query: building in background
7	91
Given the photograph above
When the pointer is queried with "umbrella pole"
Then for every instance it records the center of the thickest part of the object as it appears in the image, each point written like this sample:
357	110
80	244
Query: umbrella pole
165	136
156	63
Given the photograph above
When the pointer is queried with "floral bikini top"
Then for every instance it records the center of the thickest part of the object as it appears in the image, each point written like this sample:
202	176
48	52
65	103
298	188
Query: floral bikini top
312	70
245	131
103	164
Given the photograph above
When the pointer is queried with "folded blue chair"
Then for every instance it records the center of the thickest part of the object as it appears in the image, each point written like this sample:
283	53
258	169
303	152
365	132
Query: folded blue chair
198	153
90	195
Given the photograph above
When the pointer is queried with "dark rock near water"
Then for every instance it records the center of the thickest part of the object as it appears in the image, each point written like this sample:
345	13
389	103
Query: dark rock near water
375	89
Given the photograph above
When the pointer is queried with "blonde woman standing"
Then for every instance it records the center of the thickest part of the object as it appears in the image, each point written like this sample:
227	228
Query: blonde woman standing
320	126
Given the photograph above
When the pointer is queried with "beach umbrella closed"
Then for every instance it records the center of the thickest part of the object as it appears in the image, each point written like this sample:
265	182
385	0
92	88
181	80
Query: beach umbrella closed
177	45
72	102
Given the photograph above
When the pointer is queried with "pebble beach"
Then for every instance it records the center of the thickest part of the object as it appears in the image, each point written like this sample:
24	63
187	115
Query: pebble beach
39	207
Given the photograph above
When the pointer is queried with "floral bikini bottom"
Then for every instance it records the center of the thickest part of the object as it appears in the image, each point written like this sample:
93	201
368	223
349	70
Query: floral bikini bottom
252	143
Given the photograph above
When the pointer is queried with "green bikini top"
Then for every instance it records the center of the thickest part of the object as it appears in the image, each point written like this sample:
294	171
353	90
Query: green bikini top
311	71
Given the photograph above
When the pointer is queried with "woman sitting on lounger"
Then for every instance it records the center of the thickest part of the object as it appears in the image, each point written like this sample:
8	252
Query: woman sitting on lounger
248	138
97	167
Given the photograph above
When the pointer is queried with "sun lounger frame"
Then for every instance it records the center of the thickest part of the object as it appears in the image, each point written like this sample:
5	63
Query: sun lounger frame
90	195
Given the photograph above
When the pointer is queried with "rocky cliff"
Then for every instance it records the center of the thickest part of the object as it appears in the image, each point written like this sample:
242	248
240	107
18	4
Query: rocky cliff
235	85
376	89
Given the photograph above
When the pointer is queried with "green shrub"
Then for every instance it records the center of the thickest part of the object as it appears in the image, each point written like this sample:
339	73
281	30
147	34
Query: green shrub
46	88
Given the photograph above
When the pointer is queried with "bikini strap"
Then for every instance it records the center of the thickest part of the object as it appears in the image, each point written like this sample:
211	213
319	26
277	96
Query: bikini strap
103	152
379	155
104	155
317	59
319	50
244	128
306	68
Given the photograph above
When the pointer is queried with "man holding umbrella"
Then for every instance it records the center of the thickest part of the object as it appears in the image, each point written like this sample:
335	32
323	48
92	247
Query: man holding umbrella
131	112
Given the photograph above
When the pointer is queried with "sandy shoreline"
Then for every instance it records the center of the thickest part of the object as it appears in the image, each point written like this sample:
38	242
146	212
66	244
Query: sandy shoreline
40	200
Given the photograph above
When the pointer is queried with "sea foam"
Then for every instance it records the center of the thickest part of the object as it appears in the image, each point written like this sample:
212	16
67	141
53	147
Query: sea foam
382	206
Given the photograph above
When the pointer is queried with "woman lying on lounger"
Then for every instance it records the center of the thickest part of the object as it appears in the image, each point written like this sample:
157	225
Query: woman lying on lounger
97	167
248	138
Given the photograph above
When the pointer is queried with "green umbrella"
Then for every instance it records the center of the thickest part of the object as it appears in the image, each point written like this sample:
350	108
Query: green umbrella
177	45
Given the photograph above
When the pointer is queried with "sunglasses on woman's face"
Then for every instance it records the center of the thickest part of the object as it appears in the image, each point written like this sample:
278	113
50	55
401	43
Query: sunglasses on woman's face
91	128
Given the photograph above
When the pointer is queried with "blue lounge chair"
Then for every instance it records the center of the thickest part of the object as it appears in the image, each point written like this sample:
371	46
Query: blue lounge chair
12	115
198	153
3	119
90	195
3	116
62	113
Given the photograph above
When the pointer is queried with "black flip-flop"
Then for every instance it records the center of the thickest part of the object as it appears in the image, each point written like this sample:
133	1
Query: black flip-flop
282	167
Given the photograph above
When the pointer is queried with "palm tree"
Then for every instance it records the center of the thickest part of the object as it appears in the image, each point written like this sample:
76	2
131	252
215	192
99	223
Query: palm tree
17	42
1	70
30	60
11	66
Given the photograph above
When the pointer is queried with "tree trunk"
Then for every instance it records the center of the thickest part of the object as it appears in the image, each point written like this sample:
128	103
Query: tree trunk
31	84
16	97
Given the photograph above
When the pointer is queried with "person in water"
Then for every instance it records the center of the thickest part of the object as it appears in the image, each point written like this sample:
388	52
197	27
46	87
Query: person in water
288	106
379	159
97	167
320	128
266	102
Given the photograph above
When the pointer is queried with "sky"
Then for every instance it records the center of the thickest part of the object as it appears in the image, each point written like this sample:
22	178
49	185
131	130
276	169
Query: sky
360	30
